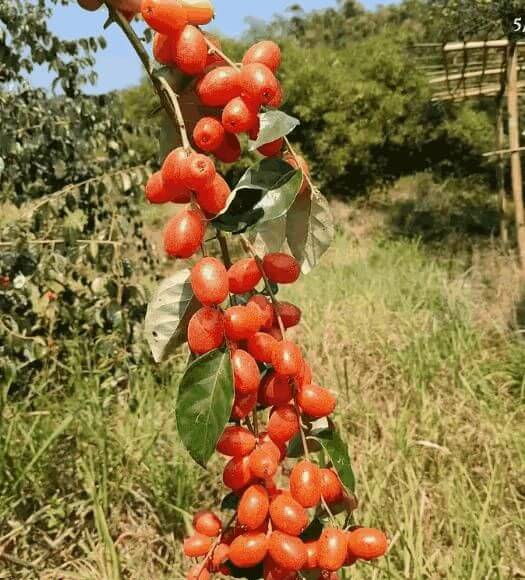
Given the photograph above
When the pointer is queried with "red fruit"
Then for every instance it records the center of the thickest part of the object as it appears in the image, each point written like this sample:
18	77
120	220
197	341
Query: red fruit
274	572
230	150
207	523
240	322
162	48
304	377
248	549
331	549
184	234
246	373
258	84
220	555
239	116
237	474
331	487
253	133
197	545
275	390
243	276
367	544
272	149
90	5
198	171
213	197
316	401
265	52
244	405
236	442
155	190
278	98
189	50
213	57
260	345
266	310
311	555
208	133
288	515
253	507
289	313
172	177
209	281
219	86
287	551
283	424
281	268
278	450
198	12
276	333
299	163
305	484
263	462
198	572
205	330
165	16
287	359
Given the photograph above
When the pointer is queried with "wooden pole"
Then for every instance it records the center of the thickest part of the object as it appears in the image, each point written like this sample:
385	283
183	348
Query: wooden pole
514	144
500	172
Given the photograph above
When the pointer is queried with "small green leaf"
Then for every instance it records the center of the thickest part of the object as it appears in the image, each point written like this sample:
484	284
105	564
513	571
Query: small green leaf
313	531
309	229
169	313
274	124
204	403
230	502
265	193
337	451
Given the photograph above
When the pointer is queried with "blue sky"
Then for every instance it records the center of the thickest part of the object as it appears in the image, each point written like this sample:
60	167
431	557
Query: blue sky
118	66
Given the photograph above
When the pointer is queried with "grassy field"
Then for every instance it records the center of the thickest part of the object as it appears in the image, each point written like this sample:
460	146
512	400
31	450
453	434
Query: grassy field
426	354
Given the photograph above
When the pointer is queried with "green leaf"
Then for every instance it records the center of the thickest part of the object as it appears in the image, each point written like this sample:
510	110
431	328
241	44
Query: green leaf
337	451
313	531
230	502
270	236
204	403
169	313
265	193
309	229
274	124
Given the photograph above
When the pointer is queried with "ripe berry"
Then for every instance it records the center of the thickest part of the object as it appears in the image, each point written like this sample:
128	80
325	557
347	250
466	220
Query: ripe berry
243	276
238	116
287	551
207	523
253	507
162	48
288	515
283	424
272	149
272	571
189	50
209	281
281	268
220	555
275	390
230	150
305	484
213	197
205	330
287	359
253	133
260	345
258	84
316	401
266	310
198	171
245	372
240	322
276	333
213	57
289	313
172	177
197	574
278	98
243	405
219	86
311	555
155	190
90	5
237	474
367	544
184	234
304	377
236	442
165	16
199	12
208	133
331	487
197	545
247	550
331	549
263	462
277	449
299	163
265	52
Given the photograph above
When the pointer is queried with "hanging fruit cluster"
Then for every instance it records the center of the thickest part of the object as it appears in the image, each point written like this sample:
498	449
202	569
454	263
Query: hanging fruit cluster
290	479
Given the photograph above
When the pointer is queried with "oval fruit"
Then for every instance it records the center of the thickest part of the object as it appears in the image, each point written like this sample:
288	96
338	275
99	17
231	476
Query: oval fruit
189	50
165	16
247	550
283	424
207	523
281	268
305	484
287	359
265	52
331	549
252	510
237	474
236	442
197	545
219	86
316	401
287	551
288	515
367	544
198	12
209	281
331	487
205	330
260	345
246	373
240	323
243	276
184	234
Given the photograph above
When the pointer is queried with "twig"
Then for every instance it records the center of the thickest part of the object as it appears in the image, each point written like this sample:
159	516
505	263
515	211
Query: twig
218	51
224	249
214	545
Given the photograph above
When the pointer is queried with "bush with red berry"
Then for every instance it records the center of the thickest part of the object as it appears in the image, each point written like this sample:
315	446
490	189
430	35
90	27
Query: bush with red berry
248	391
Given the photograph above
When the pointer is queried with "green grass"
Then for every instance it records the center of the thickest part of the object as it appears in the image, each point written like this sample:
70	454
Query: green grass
430	371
